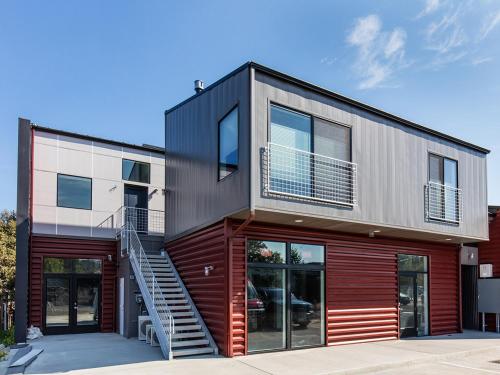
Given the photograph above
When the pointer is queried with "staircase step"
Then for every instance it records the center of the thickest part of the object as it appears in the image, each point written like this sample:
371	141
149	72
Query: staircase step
184	343
192	327
185	352
168	285
184	320
174	296
26	359
176	301
183	313
171	290
166	279
188	335
180	307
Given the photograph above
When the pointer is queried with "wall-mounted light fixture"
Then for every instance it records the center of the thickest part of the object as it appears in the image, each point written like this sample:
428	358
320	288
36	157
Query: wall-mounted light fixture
110	257
208	269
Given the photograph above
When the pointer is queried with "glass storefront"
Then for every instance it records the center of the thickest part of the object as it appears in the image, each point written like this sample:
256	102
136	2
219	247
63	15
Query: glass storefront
413	295
285	295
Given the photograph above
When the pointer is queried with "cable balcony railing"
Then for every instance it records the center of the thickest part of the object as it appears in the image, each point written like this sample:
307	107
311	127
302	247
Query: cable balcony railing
304	175
443	203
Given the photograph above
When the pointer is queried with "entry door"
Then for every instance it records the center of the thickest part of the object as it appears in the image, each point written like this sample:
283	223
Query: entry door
136	202
72	304
408	305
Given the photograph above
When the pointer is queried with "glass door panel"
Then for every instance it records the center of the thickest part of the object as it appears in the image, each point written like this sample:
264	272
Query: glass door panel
266	304
422	304
57	302
407	322
306	308
87	302
290	132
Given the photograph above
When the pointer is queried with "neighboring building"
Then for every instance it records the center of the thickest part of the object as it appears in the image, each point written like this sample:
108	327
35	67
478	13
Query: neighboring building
489	254
298	217
71	190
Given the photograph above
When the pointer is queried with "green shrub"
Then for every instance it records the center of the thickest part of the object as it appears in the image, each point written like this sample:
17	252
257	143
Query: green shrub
7	337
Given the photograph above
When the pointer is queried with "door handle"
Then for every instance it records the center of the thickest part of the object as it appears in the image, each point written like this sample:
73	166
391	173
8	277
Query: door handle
75	306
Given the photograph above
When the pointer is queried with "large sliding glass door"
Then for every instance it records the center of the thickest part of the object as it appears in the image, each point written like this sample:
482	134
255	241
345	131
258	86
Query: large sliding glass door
285	295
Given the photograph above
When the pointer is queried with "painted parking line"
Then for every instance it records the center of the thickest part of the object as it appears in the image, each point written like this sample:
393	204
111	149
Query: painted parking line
470	368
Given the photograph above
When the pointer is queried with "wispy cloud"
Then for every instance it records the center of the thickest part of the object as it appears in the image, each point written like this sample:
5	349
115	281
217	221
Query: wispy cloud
379	53
446	36
481	60
430	7
489	24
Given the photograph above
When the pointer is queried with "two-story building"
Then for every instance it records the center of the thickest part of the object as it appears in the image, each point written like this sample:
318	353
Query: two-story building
294	217
299	217
72	188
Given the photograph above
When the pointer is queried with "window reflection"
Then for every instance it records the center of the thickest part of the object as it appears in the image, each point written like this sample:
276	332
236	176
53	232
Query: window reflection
266	251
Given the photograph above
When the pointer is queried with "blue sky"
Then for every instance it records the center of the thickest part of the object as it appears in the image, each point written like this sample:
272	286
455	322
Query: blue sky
110	68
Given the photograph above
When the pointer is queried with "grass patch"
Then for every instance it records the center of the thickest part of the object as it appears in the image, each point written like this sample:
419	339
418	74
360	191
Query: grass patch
7	337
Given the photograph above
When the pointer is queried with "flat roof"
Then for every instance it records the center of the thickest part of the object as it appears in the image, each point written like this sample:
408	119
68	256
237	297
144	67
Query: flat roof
143	147
338	97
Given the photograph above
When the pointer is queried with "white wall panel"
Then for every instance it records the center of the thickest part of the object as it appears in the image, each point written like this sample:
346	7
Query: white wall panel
102	162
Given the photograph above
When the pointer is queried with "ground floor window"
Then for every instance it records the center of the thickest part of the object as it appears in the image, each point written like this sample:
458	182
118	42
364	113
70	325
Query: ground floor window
413	295
72	295
285	295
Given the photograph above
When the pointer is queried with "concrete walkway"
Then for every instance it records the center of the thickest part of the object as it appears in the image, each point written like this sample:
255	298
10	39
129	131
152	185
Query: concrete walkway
112	354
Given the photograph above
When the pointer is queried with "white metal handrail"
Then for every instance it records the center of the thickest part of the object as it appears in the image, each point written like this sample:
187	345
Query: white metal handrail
306	175
154	299
443	203
145	221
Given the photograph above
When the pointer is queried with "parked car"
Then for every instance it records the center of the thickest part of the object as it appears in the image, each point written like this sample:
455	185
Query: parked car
255	306
302	311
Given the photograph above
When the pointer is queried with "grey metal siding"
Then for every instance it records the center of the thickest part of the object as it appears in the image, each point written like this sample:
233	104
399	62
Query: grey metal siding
194	196
392	164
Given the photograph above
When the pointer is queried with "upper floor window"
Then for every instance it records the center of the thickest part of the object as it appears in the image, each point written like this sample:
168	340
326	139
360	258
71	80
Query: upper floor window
74	192
228	144
309	157
443	171
310	134
136	171
444	199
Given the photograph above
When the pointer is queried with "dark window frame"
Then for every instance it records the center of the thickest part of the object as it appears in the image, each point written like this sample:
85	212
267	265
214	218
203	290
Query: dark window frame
288	267
91	192
410	273
219	121
140	162
312	117
443	158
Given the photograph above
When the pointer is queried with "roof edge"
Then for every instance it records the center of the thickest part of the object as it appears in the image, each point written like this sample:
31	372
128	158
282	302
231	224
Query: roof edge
144	147
366	107
326	92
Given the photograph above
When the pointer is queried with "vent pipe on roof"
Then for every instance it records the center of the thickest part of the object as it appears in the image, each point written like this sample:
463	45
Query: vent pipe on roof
198	86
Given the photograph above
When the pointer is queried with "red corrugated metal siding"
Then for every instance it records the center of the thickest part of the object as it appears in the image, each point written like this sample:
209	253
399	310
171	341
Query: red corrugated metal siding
72	248
489	253
190	255
238	319
362	282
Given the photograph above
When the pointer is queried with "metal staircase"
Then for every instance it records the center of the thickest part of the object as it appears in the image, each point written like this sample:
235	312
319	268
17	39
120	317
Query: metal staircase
178	326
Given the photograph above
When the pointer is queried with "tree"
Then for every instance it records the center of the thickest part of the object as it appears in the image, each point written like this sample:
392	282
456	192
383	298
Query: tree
7	253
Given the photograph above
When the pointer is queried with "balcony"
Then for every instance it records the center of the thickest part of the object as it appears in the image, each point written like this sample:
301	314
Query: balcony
144	221
297	174
443	203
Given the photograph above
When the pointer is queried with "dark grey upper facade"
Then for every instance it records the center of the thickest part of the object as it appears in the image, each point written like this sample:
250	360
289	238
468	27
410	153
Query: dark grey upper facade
389	189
